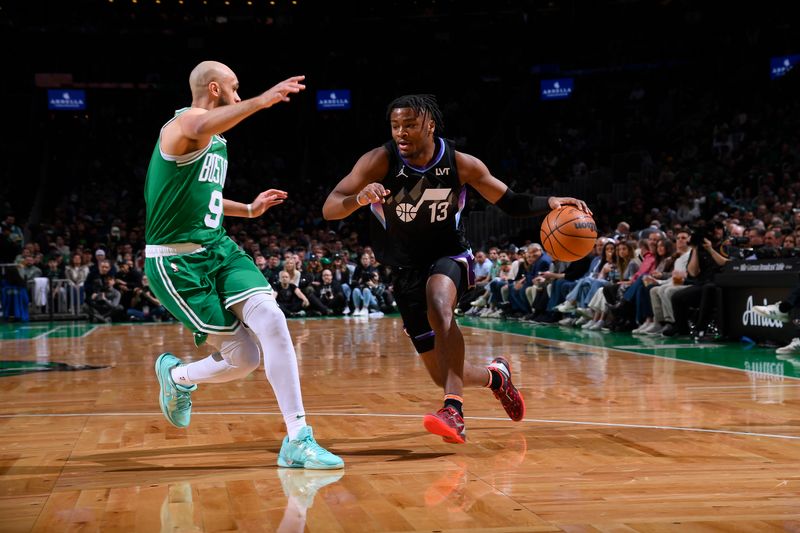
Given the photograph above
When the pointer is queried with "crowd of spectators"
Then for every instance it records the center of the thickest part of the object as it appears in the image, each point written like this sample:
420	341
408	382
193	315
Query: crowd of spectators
674	144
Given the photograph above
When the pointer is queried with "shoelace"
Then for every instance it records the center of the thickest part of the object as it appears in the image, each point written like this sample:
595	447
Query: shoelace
183	401
311	445
452	415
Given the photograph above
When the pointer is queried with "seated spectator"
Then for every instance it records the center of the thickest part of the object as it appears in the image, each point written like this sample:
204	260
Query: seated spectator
145	307
623	304
661	294
625	268
76	273
482	269
704	262
341	273
272	269
331	295
578	298
382	294
57	289
313	270
364	301
561	283
127	280
291	300
482	302
103	304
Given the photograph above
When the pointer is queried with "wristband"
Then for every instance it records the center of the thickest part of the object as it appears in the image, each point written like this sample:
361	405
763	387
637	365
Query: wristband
250	210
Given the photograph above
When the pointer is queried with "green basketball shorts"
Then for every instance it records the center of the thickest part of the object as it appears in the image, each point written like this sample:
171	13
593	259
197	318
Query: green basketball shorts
198	284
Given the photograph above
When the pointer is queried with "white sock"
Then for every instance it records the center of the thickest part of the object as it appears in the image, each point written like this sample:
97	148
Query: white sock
238	355
267	323
180	375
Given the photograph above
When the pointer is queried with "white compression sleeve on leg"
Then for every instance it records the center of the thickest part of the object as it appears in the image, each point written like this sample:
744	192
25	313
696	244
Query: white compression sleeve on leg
237	356
266	321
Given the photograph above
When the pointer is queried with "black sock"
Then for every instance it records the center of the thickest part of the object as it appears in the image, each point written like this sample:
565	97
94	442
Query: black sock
455	404
785	307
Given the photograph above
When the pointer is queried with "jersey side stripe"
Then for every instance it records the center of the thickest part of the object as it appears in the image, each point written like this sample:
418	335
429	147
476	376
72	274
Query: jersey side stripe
236	298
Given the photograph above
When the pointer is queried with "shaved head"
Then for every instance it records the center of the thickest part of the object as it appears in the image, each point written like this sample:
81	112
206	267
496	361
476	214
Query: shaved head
205	73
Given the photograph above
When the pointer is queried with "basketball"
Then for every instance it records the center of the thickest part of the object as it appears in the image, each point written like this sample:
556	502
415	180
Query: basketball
568	233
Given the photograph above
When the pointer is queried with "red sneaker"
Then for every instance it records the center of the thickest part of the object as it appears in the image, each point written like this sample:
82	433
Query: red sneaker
509	396
448	423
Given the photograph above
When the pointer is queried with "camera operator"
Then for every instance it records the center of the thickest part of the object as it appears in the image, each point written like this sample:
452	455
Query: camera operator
704	262
331	295
755	236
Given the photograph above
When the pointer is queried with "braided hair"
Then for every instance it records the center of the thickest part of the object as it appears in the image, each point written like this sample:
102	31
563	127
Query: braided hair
422	104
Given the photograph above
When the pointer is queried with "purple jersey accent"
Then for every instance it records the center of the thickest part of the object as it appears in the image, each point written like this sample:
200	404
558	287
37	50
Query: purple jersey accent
377	210
462	201
469	260
425	335
433	163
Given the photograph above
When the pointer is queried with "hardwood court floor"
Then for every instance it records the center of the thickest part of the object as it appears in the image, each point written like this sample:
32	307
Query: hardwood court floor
612	441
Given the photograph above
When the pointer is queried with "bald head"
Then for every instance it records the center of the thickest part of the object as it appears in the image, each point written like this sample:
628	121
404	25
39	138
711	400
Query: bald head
205	73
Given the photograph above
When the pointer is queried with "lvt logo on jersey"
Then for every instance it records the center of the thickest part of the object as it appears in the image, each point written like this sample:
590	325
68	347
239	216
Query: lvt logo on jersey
443	171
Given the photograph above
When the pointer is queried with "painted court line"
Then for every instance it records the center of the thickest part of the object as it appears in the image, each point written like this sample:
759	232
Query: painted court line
767	384
667	346
91	330
48	332
416	416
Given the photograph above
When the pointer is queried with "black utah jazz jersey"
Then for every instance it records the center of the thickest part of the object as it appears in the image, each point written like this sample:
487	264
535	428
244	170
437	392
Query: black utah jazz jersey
421	219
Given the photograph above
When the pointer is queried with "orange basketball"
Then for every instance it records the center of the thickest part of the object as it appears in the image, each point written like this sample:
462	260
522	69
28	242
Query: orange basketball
568	233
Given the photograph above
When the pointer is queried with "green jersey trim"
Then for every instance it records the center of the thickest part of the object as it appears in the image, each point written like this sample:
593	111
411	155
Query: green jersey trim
191	315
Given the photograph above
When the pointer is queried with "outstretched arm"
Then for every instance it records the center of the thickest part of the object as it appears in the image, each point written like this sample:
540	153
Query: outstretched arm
263	201
472	171
194	128
360	187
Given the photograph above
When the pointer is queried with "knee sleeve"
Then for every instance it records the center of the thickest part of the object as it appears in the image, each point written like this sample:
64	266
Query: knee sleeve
262	315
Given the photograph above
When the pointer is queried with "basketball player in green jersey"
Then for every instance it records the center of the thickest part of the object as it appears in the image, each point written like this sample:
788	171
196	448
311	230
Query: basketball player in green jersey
200	274
416	188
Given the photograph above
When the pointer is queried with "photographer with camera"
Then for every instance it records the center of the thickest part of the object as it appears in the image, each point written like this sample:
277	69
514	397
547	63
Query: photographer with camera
330	294
704	262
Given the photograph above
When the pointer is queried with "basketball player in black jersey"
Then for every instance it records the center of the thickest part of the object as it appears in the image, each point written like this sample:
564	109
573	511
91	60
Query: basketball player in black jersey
415	186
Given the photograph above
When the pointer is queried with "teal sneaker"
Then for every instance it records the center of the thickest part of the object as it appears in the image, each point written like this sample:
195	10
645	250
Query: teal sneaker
304	452
175	400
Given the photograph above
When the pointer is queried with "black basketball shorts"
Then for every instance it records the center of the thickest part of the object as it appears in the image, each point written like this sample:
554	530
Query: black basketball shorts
410	285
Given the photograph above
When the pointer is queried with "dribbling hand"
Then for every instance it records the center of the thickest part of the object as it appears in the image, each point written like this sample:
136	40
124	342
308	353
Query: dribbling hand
556	202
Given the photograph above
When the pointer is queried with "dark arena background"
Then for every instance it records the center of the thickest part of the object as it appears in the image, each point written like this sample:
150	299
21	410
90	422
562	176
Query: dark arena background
661	394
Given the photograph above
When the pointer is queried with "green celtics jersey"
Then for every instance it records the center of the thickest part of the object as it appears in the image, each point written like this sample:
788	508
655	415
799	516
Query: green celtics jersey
184	194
